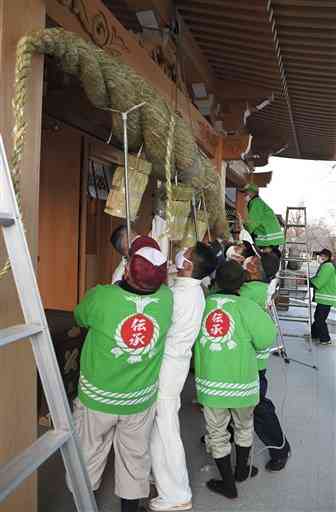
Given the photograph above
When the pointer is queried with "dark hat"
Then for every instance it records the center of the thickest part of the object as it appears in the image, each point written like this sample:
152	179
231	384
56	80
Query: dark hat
230	276
270	263
325	252
148	268
143	241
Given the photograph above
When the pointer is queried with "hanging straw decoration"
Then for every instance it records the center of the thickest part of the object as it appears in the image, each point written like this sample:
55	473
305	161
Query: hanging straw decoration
206	215
189	236
138	181
108	83
168	168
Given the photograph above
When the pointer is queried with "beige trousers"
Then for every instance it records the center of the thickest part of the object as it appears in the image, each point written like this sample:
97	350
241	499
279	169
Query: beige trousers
218	437
130	437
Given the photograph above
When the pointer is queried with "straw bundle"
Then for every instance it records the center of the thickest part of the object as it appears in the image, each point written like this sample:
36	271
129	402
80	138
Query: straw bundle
109	83
139	171
180	211
189	238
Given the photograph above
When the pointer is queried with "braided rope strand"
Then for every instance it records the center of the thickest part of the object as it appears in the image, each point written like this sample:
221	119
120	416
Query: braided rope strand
168	171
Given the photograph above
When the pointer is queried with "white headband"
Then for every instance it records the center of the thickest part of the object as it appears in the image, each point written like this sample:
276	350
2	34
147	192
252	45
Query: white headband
154	256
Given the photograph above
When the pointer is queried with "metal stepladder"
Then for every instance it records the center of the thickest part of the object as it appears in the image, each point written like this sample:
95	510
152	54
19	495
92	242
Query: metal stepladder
273	293
297	220
62	437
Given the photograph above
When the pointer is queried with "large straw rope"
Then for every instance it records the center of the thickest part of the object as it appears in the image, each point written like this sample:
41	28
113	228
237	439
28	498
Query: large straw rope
168	168
108	83
22	74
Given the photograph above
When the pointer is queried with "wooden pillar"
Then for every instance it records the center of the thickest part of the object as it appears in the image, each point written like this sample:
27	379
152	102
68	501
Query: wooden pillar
17	369
241	205
218	160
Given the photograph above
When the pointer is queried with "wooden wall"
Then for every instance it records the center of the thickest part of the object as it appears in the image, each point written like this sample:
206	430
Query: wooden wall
59	217
101	258
17	368
74	230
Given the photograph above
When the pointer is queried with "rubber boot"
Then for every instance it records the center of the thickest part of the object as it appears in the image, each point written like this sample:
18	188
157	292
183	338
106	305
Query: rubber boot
227	486
243	469
129	505
279	458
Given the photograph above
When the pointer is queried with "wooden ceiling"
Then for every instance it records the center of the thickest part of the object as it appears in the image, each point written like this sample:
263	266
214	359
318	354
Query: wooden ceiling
286	45
124	14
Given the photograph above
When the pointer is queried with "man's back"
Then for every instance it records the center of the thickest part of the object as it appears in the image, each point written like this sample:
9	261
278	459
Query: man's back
122	352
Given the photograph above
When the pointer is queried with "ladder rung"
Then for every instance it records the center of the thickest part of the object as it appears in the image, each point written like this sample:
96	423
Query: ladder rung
289	335
295	243
295	225
6	219
296	277
297	259
21	467
18	332
304	306
293	319
293	290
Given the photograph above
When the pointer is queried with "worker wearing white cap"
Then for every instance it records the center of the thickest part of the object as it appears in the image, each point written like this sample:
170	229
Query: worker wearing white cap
119	370
167	452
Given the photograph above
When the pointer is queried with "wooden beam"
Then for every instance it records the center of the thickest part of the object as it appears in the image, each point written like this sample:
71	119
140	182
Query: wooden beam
241	205
219	156
308	106
163	8
311	23
310	85
305	3
258	6
226	23
311	100
240	90
233	14
234	47
236	58
308	91
283	77
202	31
325	69
323	57
320	12
233	72
300	34
190	48
268	66
262	179
321	77
18	417
234	146
118	39
193	52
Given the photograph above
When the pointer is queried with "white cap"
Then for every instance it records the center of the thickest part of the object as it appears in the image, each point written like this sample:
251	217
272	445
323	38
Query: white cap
154	256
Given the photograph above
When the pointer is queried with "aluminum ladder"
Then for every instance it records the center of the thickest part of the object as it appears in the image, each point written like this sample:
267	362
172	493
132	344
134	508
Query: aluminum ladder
273	292
63	436
293	293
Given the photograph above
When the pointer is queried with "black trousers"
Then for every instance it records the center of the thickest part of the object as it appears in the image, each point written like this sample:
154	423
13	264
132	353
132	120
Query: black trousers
266	422
320	328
